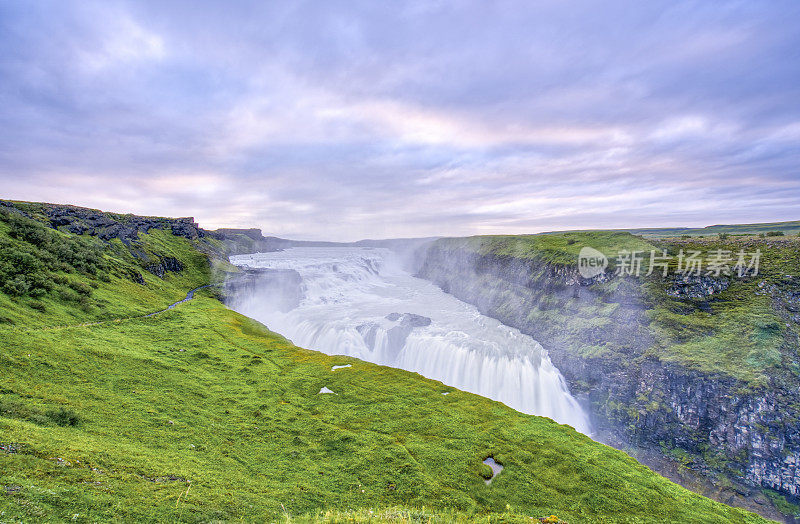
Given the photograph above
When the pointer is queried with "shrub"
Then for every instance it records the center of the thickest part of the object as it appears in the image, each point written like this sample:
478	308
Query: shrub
13	409
63	417
68	295
38	306
58	252
28	264
724	236
85	303
40	283
16	286
39	419
28	230
80	288
775	233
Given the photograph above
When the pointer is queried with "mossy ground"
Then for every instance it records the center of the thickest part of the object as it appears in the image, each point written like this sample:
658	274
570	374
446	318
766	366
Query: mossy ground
201	414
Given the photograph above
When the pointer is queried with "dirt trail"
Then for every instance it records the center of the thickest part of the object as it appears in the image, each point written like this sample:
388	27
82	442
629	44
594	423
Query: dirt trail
189	296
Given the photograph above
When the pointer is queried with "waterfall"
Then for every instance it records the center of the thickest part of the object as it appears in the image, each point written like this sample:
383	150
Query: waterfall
360	302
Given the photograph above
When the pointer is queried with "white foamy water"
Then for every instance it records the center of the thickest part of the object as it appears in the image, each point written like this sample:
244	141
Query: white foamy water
359	302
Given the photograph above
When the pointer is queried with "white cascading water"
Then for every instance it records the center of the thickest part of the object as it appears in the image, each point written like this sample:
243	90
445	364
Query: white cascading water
359	302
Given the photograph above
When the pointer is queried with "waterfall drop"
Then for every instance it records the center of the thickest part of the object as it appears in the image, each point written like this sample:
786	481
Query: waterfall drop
361	303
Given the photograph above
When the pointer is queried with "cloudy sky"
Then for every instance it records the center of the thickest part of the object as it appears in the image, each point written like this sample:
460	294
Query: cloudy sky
348	120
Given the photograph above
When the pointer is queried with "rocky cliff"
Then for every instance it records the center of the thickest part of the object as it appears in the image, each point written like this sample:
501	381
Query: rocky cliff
603	335
104	227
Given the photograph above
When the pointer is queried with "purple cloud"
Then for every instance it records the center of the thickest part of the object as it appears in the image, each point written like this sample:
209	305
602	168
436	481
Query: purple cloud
346	120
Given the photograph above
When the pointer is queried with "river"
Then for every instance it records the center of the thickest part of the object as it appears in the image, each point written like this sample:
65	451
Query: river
362	303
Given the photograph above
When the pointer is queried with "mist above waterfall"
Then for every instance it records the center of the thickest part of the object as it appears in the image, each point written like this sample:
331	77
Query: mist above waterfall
361	302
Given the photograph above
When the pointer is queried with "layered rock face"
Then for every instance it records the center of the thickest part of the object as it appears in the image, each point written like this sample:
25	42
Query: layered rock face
165	264
718	424
108	226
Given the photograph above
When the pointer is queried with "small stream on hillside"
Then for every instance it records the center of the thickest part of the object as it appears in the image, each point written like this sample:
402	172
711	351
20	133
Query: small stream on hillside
360	302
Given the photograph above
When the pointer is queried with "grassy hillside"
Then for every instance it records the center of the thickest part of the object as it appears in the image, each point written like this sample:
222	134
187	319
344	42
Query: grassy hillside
50	276
199	414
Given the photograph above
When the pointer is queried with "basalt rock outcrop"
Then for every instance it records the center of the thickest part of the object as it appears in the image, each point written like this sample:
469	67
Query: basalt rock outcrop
124	227
164	265
107	226
245	241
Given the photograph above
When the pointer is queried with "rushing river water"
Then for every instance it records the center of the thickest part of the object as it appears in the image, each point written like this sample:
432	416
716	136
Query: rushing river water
360	302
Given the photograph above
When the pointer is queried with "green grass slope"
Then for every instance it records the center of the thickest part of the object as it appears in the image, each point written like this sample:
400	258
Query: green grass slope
199	414
50	277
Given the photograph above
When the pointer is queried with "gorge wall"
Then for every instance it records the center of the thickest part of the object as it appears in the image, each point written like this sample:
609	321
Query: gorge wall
602	335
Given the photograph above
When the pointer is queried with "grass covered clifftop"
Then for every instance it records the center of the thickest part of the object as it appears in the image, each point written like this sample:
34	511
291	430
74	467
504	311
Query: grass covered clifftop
199	414
741	327
553	248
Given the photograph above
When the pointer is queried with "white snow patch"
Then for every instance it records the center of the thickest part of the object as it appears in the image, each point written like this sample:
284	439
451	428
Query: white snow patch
334	368
496	468
325	390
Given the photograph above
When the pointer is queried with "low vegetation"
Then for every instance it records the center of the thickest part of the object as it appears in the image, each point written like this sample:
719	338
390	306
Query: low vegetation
200	414
790	227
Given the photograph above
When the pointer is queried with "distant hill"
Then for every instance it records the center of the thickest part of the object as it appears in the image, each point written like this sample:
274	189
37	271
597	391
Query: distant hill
791	227
243	241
